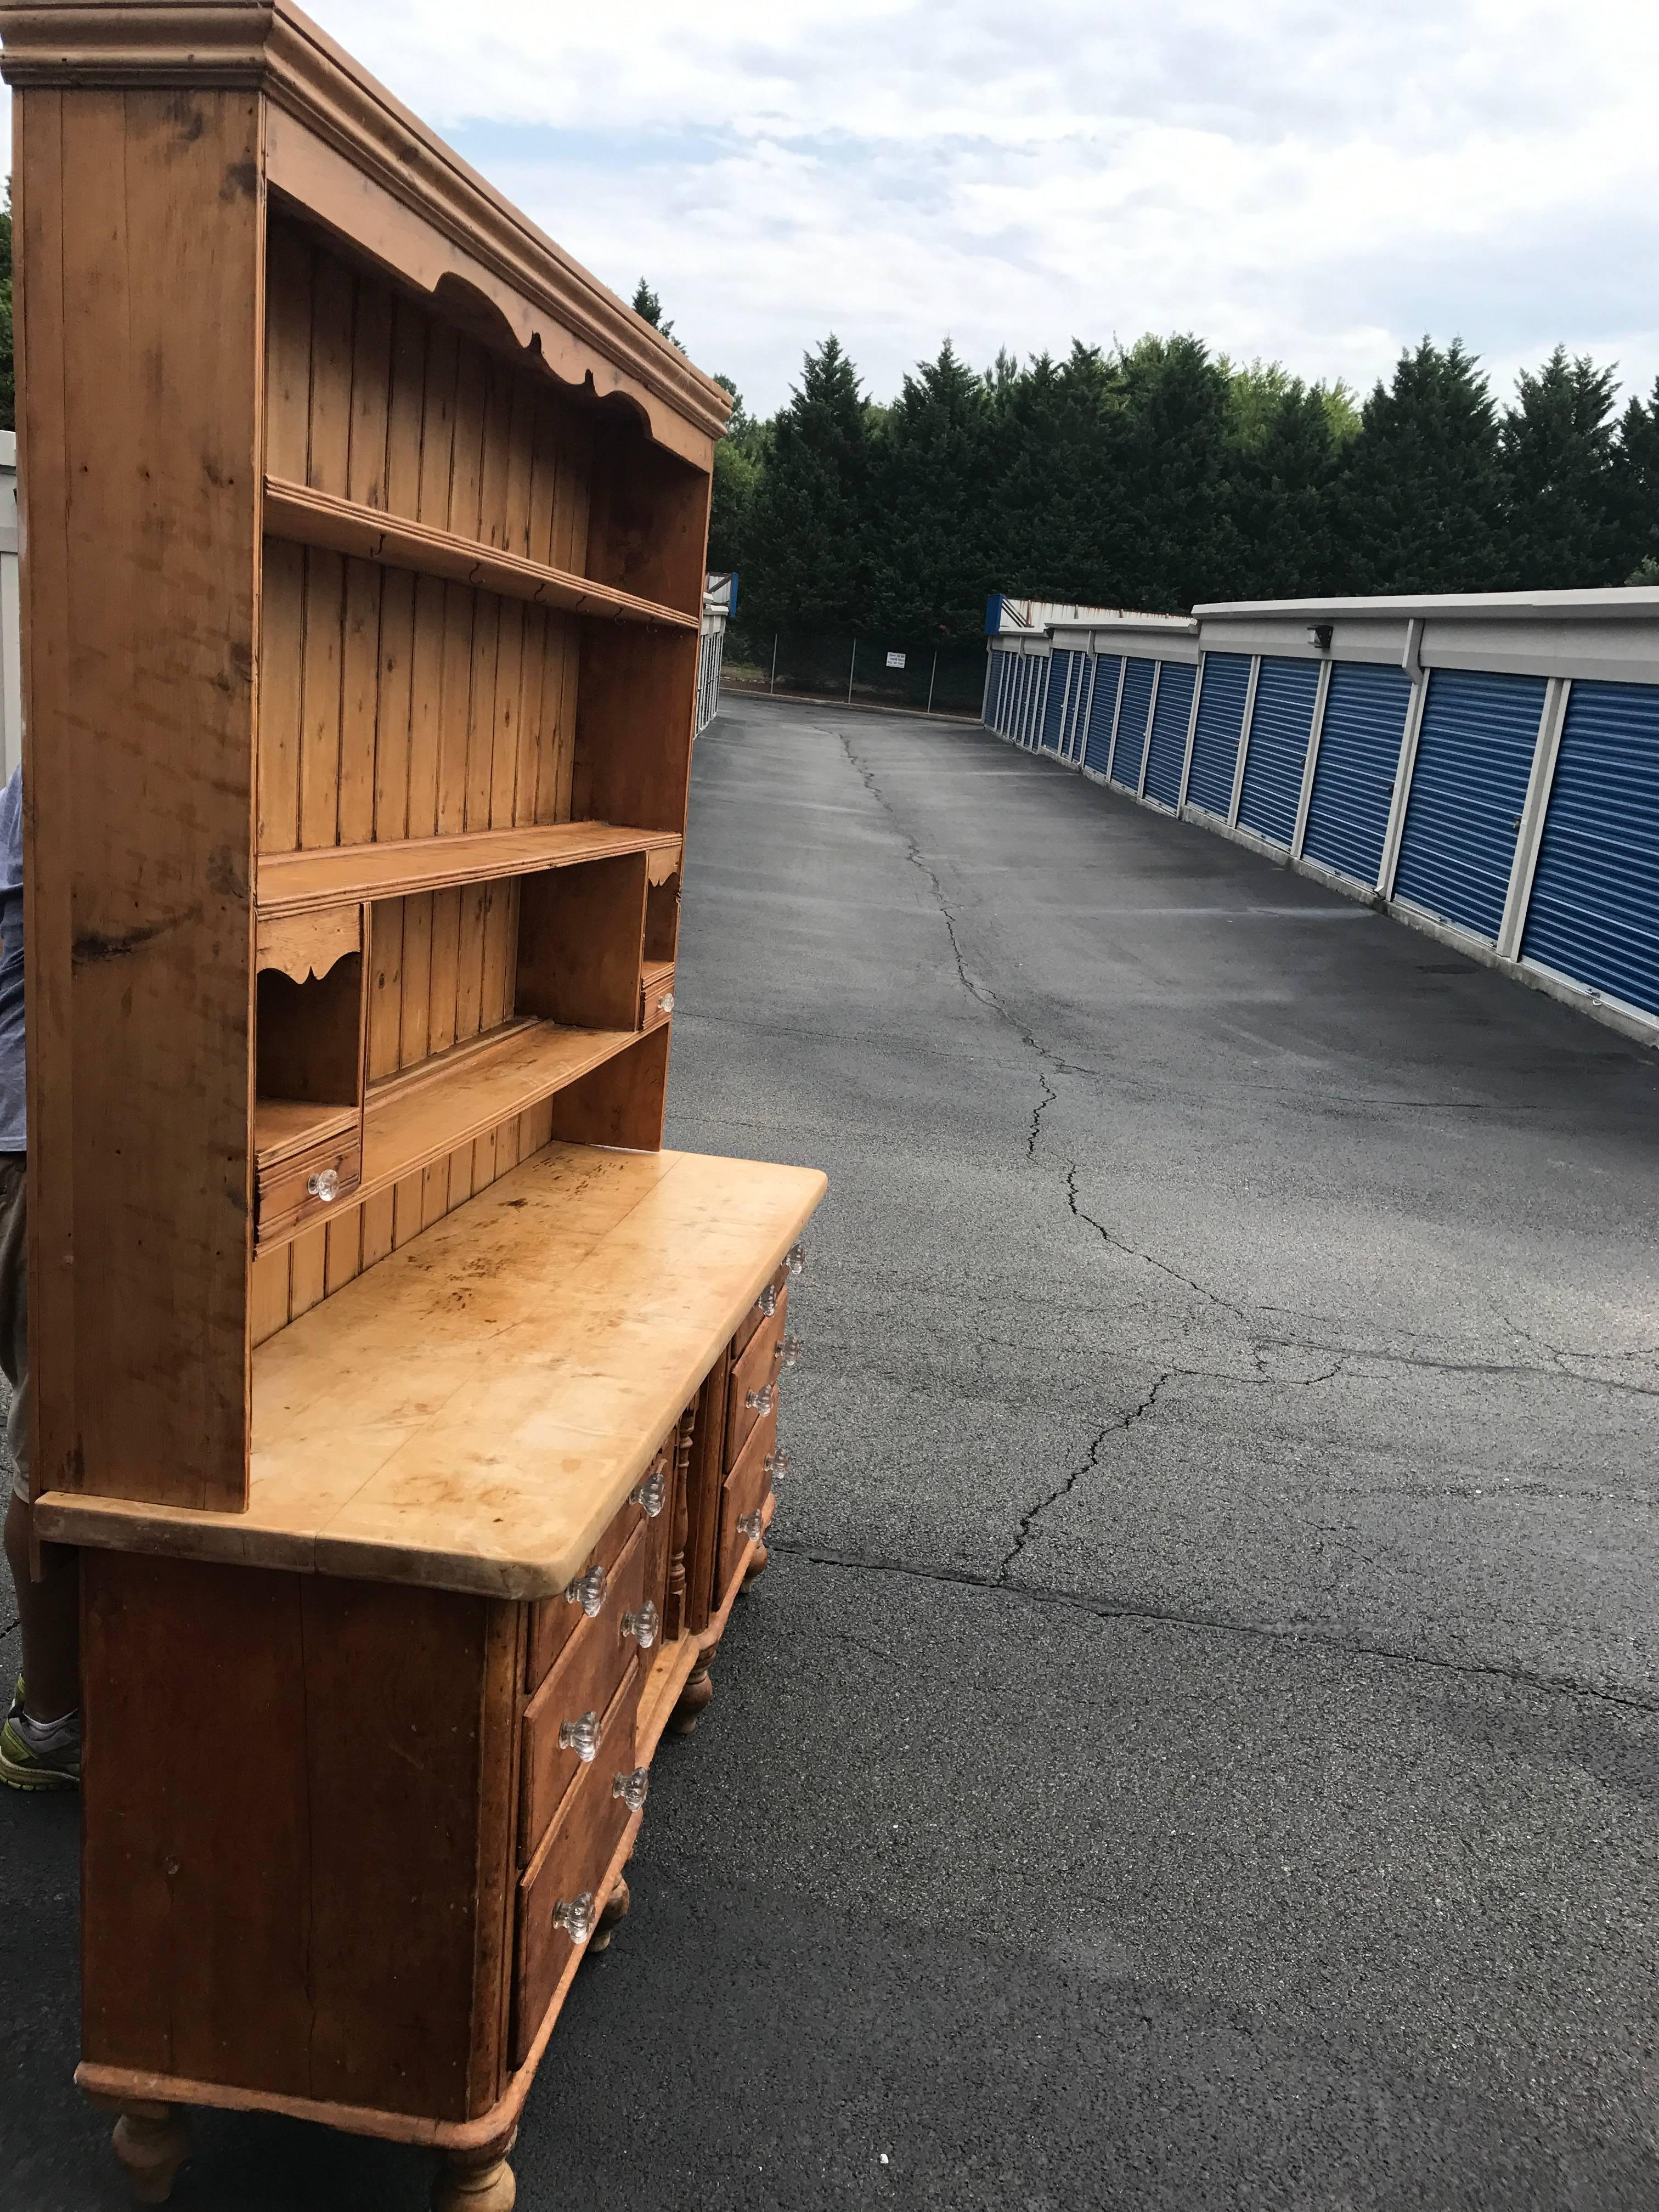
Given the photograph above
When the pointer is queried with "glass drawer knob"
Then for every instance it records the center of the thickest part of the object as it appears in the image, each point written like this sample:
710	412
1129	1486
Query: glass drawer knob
750	1526
788	1352
766	1303
777	1466
323	1185
666	1004
795	1258
577	1915
760	1401
588	1591
651	1493
583	1736
642	1625
631	1788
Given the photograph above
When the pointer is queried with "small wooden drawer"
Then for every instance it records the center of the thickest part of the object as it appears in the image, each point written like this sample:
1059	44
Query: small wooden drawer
656	995
570	1866
555	1620
306	1185
582	1686
769	1302
742	1492
754	1375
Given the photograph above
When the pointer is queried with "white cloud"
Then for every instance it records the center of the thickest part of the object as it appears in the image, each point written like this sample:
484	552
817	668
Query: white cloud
1317	181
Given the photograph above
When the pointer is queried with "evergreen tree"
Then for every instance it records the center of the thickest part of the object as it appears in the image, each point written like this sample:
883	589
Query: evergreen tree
812	509
645	304
1557	449
739	461
1636	490
1419	505
1284	468
1176	472
930	554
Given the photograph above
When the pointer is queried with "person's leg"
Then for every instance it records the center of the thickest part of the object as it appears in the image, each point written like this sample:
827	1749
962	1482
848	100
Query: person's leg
46	1578
48	1613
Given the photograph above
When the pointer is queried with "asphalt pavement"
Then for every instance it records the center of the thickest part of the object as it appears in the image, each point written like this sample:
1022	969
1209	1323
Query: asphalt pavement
1197	1743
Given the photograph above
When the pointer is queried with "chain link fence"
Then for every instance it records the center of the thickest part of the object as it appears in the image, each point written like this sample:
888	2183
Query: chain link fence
872	670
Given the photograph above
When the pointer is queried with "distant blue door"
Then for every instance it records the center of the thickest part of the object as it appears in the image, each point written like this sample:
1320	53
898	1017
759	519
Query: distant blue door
1468	785
1594	913
1060	677
1166	749
1221	695
1132	722
1353	777
1102	712
1280	726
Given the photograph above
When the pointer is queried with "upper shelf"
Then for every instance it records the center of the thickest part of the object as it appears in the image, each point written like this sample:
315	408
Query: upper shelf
306	517
337	875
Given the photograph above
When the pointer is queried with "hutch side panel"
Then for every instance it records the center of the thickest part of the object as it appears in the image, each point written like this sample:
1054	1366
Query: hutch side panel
297	1865
141	283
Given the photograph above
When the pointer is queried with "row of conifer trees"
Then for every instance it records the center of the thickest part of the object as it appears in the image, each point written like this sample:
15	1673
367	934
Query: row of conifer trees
1161	476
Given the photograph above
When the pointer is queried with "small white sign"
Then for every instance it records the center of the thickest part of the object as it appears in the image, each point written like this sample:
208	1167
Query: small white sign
895	660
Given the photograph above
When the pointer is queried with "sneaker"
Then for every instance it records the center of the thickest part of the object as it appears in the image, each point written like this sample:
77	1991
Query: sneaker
16	1700
54	1764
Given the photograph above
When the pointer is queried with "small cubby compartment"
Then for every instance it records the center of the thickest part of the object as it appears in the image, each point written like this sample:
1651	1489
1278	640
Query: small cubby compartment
308	1088
581	934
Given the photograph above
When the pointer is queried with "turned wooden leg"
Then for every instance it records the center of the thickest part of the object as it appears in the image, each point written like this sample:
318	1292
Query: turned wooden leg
151	2143
476	2180
693	1698
756	1566
616	1905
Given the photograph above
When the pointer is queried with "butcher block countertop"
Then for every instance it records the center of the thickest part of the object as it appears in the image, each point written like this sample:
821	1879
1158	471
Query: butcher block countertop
472	1413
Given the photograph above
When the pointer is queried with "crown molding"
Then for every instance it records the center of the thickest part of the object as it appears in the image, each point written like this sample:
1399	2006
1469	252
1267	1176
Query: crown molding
270	47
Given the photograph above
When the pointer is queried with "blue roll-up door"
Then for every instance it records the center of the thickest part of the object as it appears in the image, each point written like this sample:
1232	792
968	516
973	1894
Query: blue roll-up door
1359	758
1281	725
1220	724
1060	677
1035	672
1103	710
1469	779
1068	736
1009	677
999	689
1594	913
1166	749
1132	722
1023	684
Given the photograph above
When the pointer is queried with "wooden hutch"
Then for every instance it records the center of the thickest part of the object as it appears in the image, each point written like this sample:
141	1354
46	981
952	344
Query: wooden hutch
415	1412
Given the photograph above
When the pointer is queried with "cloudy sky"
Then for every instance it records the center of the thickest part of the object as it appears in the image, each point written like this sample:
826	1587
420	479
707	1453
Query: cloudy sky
1319	182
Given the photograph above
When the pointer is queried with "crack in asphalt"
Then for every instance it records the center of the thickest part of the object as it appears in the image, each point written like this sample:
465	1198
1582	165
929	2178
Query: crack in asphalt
1103	1609
1085	1466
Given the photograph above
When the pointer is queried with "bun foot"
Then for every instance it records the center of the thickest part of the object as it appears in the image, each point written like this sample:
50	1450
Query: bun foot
476	2180
693	1698
150	2144
616	1907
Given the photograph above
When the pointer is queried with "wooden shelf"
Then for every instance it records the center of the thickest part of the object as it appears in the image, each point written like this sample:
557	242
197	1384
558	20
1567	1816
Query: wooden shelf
339	875
284	1126
433	1109
471	1412
305	517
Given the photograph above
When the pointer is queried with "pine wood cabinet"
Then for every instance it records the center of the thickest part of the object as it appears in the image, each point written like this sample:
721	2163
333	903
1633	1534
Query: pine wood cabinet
414	1410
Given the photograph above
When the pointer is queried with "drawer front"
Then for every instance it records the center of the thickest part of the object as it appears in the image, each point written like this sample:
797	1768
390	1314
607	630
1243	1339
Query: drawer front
585	1681
771	1298
755	1370
285	1200
569	1866
742	1492
555	1620
656	999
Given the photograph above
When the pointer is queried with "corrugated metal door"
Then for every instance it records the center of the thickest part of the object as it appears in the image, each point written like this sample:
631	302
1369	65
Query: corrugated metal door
1053	712
1005	695
1069	736
1469	780
1132	722
1353	777
1166	749
1026	664
1594	913
1280	726
1221	699
1103	711
994	689
1035	672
